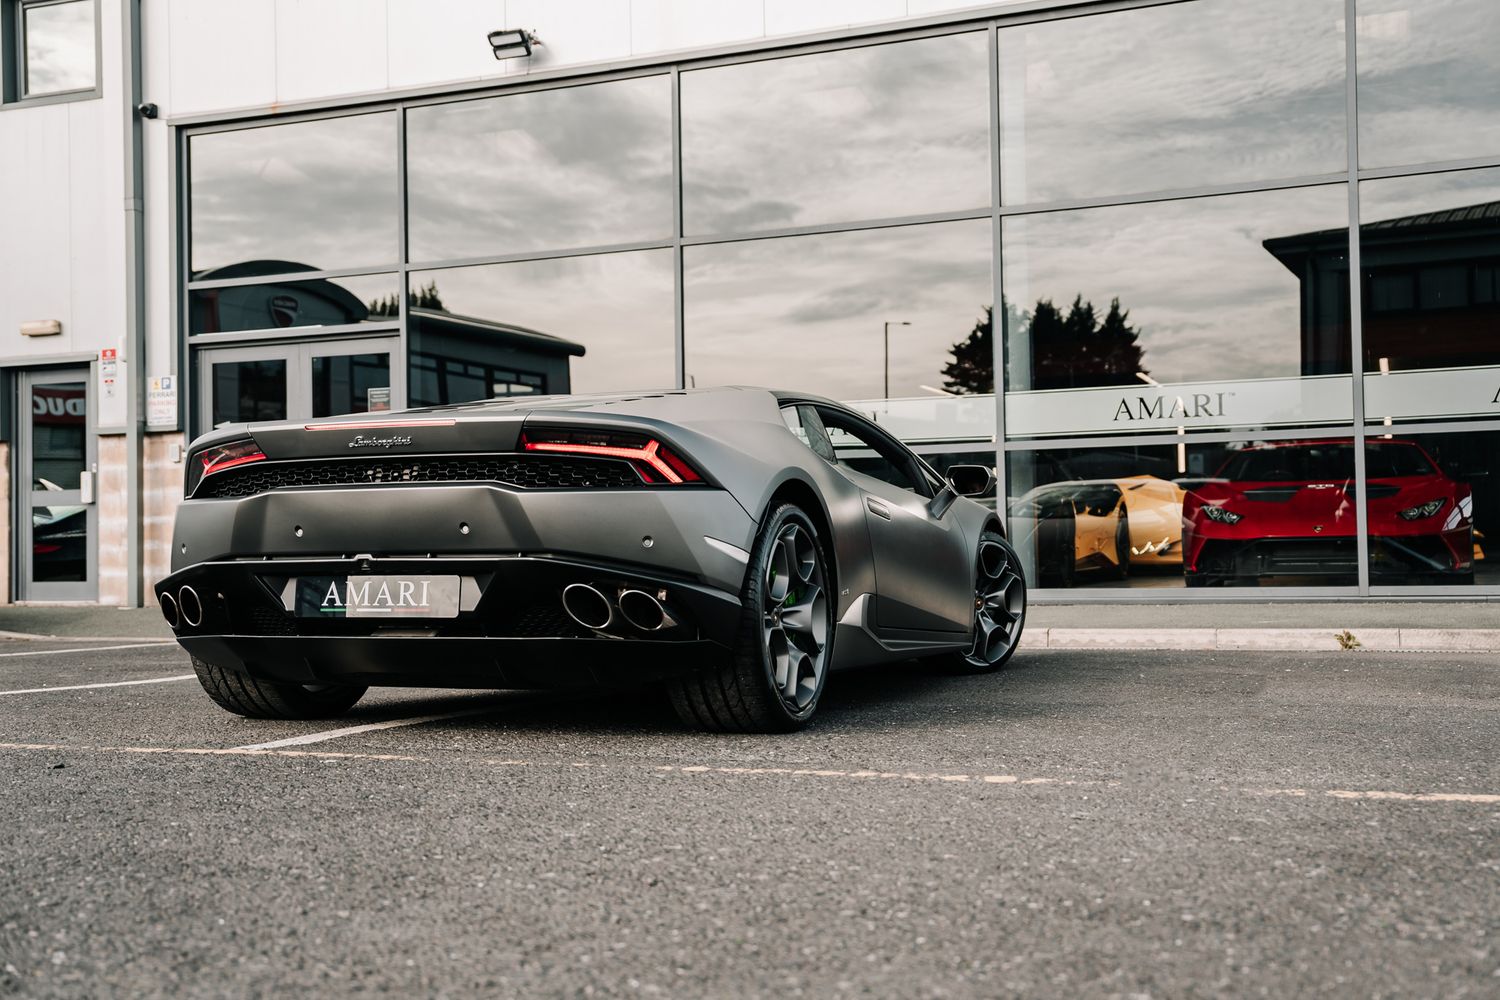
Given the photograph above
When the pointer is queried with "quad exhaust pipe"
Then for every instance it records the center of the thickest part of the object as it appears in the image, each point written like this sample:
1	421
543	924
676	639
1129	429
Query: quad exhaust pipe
169	610
643	610
587	605
190	607
591	607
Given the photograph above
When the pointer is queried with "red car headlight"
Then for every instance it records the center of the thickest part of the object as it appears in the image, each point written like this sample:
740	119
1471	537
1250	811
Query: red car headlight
220	457
1422	510
1216	513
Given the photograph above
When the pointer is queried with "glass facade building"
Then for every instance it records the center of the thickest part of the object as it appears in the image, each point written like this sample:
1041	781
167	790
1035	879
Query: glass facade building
1213	285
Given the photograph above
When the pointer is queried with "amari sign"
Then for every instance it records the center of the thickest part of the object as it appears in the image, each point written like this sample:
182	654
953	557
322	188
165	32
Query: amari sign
1439	392
1195	405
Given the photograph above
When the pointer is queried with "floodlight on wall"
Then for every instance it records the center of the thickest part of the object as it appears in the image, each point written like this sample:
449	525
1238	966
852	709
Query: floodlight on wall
41	327
512	43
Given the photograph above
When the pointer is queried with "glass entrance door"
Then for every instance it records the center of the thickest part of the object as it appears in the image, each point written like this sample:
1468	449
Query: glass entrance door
298	381
56	464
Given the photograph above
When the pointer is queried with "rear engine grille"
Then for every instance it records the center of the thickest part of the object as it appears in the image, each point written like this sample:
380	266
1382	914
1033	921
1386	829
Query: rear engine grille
528	472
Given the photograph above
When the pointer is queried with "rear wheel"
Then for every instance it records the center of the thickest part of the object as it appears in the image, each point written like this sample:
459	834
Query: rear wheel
261	699
999	609
773	678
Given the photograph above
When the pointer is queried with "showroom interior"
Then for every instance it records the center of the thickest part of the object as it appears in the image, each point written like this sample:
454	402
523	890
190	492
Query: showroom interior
1213	286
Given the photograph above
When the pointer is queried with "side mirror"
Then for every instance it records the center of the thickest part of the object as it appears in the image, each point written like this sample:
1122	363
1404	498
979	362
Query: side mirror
971	480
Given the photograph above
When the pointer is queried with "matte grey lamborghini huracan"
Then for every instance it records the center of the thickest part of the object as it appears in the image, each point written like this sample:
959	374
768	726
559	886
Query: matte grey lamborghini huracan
734	544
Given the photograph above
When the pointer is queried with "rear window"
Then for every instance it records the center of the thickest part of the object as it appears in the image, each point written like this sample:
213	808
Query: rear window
1396	458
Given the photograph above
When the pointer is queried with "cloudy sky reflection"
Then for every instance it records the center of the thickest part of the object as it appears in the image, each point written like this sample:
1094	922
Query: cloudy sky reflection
581	166
807	312
864	133
1209	92
318	193
1210	302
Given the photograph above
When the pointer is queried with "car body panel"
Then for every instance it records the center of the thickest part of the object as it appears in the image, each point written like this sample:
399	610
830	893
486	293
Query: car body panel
689	543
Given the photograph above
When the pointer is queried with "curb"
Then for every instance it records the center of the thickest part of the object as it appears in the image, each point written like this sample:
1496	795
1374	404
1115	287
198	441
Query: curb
1445	640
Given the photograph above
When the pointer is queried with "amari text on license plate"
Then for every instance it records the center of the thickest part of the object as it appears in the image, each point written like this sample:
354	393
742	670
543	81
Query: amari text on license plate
376	596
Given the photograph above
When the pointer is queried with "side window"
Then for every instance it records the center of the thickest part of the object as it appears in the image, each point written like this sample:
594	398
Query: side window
869	452
803	421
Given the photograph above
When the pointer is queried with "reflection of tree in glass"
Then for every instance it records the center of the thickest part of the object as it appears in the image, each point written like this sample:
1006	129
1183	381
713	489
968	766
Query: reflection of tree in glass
1068	349
424	297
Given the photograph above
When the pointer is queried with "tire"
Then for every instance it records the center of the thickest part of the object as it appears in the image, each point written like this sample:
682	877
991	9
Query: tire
1057	552
773	678
261	699
1122	546
999	609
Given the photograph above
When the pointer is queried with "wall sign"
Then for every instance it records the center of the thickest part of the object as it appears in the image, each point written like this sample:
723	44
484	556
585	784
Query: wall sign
1440	392
161	401
1189	405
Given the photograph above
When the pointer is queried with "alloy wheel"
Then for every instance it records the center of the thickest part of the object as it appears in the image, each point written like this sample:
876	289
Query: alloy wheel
796	616
999	605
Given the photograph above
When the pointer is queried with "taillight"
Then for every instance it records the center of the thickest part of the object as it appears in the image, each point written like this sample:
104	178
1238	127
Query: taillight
220	457
652	460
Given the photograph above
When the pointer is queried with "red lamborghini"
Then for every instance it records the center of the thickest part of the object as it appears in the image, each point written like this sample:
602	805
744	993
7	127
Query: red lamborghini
1286	509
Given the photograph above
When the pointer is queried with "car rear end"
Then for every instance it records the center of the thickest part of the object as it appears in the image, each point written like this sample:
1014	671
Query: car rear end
497	548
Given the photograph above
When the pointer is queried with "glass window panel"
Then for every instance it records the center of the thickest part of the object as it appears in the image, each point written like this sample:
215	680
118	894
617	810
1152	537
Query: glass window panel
1428	77
1430	252
864	133
316	195
575	324
1195	313
245	391
59	423
350	383
811	312
1181	95
577	166
1434	510
1248	514
295	304
59	47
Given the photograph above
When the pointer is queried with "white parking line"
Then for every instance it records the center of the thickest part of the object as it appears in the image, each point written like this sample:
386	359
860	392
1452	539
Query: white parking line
110	684
333	734
92	649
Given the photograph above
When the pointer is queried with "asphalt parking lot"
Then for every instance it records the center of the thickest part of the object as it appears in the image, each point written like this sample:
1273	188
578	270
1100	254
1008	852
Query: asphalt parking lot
1088	823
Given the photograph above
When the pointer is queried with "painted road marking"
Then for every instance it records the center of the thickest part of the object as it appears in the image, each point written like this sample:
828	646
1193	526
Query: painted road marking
936	777
93	649
110	684
333	734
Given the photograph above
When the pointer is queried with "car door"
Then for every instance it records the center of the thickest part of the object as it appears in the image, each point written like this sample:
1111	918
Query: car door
923	570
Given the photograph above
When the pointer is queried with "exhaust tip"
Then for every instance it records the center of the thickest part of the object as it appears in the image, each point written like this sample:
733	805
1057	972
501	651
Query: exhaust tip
169	609
587	606
191	607
642	610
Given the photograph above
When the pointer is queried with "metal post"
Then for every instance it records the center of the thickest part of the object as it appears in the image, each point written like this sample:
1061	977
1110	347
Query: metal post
135	303
888	325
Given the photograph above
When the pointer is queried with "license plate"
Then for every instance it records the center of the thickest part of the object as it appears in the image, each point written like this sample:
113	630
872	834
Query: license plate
376	596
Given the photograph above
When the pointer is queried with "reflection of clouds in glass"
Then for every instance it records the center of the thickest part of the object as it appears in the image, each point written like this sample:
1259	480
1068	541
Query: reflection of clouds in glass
807	312
319	193
1402	196
1187	94
580	166
1428	80
1209	300
618	306
59	48
873	132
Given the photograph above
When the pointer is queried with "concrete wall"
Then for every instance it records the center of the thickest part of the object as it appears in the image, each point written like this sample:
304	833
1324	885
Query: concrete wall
158	508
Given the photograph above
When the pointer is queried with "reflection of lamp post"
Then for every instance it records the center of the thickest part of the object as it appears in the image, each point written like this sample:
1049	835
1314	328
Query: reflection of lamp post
1181	445
888	325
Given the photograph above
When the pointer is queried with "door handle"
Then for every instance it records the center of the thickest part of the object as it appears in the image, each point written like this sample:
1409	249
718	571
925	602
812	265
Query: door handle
86	486
877	508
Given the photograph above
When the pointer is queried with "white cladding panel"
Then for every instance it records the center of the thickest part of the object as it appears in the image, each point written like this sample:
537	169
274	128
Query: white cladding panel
441	41
785	17
572	31
222	54
328	47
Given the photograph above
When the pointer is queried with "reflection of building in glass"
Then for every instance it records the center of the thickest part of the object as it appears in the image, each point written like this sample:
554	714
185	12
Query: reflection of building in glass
460	358
274	305
1431	285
